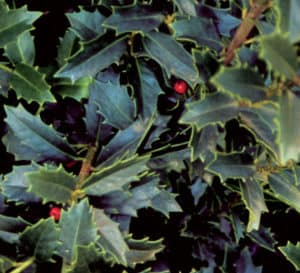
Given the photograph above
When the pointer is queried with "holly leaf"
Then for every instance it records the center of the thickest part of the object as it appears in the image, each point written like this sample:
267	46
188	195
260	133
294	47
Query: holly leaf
285	189
15	185
198	29
289	131
5	75
21	50
92	58
186	7
262	121
216	108
52	184
111	239
87	25
30	84
14	22
142	250
231	166
203	143
114	103
148	92
289	20
77	90
253	197
278	51
125	142
28	138
245	264
6	264
77	229
88	258
68	45
12	224
292	253
242	82
131	19
115	176
171	56
41	240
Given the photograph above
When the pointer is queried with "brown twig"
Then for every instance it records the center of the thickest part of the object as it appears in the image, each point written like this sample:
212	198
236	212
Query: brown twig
244	29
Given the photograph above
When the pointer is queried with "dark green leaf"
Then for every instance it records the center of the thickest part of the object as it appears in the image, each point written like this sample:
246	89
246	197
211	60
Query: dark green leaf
30	84
216	108
148	92
22	50
93	58
114	103
41	240
5	264
289	18
77	90
15	185
14	22
292	253
87	25
12	224
88	259
187	7
198	29
262	121
253	197
198	189
289	130
277	50
28	138
132	19
66	47
285	189
245	263
5	75
77	229
114	177
111	239
52	184
232	166
172	56
142	250
264	238
241	82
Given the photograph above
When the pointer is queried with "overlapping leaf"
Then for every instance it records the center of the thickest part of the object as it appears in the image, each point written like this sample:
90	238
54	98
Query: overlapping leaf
216	108
241	82
41	240
277	50
52	184
93	58
253	197
137	18
87	25
198	29
15	185
289	21
171	55
114	177
21	50
285	188
114	103
232	166
77	229
14	22
28	138
292	253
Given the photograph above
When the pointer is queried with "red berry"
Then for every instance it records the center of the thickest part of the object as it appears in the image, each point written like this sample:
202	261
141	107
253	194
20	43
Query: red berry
55	213
180	87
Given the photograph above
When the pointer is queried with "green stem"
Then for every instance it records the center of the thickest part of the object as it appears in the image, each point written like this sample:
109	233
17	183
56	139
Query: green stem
23	265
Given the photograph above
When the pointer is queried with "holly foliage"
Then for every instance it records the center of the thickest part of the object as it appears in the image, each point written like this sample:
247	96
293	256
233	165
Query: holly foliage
164	134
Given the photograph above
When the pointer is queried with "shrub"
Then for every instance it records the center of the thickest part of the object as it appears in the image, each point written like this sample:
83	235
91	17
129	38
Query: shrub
149	136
